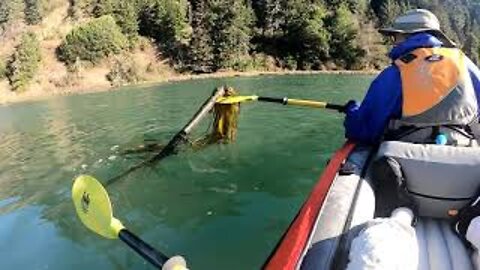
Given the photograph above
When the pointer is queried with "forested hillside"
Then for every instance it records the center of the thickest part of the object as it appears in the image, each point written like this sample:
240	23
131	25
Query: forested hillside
56	43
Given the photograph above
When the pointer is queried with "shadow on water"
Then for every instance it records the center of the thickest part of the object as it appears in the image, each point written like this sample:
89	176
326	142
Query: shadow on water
224	206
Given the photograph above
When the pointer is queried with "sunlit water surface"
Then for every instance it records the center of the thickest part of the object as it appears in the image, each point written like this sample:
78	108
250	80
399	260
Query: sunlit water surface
223	207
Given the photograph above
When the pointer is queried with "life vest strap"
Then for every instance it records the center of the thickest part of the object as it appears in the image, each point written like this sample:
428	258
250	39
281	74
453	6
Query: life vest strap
403	131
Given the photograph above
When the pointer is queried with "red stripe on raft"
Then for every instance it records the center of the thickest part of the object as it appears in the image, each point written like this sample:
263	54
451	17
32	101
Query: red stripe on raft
291	248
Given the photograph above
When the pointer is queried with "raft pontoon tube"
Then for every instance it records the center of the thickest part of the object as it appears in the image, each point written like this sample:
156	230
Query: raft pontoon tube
439	178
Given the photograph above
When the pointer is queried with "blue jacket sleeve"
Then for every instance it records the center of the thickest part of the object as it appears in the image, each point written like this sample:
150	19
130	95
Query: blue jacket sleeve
366	123
475	76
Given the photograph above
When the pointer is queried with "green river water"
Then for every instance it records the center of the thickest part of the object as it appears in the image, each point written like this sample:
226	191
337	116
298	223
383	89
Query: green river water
223	207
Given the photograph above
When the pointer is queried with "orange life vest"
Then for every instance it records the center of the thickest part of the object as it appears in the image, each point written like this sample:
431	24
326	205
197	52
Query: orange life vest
436	88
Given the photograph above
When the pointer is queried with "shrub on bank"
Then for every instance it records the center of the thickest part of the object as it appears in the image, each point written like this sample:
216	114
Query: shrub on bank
24	63
261	61
93	41
33	12
124	71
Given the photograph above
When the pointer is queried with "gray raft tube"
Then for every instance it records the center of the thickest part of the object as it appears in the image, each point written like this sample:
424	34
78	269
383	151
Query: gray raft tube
350	202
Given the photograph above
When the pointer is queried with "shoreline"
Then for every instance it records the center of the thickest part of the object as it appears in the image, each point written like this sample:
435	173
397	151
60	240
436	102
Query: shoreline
12	98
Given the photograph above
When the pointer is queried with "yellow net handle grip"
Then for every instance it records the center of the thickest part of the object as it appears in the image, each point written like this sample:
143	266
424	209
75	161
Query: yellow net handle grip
307	103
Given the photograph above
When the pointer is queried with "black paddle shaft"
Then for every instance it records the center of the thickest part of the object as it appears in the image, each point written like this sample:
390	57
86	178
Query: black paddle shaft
339	108
150	254
284	101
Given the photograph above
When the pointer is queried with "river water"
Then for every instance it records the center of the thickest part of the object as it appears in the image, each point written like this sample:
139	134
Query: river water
222	207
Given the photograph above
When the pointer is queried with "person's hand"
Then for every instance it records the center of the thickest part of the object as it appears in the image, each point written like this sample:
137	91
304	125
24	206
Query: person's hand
350	105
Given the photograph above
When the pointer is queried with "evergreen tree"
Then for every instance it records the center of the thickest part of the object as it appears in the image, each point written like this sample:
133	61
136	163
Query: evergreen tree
272	16
231	22
24	62
343	46
125	13
201	45
32	11
126	16
166	21
372	44
389	10
269	34
4	12
445	22
306	33
472	48
459	18
353	5
102	7
478	57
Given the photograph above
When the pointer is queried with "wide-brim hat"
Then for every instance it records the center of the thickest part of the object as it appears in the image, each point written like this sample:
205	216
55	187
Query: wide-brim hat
417	21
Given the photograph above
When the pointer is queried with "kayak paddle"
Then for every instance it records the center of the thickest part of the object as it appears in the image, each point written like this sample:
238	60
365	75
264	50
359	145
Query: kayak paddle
94	209
284	101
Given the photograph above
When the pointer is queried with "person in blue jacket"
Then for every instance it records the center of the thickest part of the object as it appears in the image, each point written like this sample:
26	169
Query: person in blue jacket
429	85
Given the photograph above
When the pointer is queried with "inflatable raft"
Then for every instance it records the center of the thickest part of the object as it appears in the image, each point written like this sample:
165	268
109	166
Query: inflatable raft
344	200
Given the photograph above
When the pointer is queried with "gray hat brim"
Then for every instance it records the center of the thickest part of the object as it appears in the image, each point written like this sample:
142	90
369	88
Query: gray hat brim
437	33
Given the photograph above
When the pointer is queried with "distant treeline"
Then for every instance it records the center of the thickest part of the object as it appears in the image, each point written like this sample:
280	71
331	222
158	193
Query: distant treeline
209	35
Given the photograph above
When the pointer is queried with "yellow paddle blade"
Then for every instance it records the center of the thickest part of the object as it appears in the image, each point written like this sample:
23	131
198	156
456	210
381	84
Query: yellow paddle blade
94	208
236	99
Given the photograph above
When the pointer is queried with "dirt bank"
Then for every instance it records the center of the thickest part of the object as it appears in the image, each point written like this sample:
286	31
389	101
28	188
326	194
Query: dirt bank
89	84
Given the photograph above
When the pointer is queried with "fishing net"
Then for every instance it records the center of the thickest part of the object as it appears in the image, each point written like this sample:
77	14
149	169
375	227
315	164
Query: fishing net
223	130
225	122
